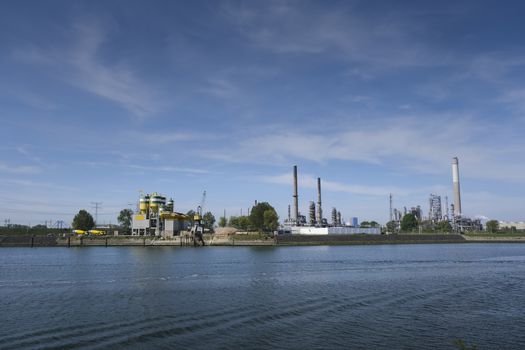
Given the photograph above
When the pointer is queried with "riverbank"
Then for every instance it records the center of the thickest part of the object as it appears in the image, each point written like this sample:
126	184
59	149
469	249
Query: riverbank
252	240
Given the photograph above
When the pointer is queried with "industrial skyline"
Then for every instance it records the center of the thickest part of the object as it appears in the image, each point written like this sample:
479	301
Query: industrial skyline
102	100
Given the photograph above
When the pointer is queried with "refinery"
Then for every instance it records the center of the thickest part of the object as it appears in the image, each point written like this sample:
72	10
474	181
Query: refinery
155	216
438	213
316	224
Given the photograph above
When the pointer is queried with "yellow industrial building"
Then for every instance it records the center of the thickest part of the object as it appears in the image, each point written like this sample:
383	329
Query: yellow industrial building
156	217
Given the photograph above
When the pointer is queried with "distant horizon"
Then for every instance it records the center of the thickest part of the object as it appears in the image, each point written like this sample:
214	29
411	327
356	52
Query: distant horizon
100	100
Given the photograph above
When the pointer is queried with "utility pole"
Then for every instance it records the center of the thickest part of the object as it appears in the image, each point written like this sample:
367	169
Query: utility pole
96	205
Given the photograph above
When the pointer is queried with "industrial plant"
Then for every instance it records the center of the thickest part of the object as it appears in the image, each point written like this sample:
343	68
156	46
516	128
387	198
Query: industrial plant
156	217
316	224
439	214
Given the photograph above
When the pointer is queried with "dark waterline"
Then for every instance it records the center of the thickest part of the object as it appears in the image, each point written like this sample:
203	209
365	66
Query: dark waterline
381	297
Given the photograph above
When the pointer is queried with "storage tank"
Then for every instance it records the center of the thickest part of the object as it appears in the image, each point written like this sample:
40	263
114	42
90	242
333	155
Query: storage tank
144	204
156	201
170	206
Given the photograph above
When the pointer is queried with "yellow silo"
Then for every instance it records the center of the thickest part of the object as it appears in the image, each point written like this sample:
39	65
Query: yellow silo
156	201
144	204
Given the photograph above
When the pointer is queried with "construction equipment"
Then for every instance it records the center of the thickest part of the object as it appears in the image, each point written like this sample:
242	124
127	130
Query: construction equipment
197	230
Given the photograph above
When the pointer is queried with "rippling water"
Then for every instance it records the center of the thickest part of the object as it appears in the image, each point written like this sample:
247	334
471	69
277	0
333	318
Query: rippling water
377	297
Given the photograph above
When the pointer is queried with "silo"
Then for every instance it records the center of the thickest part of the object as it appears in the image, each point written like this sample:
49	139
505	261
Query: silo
156	201
144	204
170	206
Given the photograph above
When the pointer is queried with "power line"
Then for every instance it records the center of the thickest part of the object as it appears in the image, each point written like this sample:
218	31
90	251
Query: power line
96	205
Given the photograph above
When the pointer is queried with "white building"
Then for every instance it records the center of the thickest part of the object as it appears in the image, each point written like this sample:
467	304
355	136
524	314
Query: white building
343	230
519	225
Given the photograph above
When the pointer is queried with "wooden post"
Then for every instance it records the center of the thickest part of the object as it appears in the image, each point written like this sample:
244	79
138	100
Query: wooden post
68	241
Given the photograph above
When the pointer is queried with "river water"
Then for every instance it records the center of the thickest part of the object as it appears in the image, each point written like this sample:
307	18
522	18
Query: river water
324	297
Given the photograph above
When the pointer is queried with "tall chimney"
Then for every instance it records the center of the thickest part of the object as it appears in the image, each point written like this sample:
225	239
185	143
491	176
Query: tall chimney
295	196
319	209
455	181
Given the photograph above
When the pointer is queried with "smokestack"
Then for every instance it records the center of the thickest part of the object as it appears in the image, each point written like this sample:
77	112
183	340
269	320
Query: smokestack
295	196
319	210
455	181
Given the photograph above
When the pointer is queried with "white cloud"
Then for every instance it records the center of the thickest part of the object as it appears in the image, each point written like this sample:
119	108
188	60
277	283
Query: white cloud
309	181
19	169
167	137
79	64
422	144
389	42
170	169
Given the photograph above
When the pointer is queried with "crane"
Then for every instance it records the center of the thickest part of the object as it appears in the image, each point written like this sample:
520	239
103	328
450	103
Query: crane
197	230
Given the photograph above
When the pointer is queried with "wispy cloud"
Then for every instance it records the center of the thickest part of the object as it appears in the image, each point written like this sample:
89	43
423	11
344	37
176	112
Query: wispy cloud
19	169
309	181
290	29
168	137
79	64
424	144
37	184
170	169
222	88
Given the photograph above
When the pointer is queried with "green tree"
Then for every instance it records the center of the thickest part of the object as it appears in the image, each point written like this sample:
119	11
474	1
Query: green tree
409	222
222	221
444	226
244	223
83	221
124	219
208	220
427	225
492	226
240	222
391	226
271	220
257	215
374	224
234	221
364	224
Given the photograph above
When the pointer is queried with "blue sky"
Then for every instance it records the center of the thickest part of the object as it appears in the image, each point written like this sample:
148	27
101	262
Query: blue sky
101	99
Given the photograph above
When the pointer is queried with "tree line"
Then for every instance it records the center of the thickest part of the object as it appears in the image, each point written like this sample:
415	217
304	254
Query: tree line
262	218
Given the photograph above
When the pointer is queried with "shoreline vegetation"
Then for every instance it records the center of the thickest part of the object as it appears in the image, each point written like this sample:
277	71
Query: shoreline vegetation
252	239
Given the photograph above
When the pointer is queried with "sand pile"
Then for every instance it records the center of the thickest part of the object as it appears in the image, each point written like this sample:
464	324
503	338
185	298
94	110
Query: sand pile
225	231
